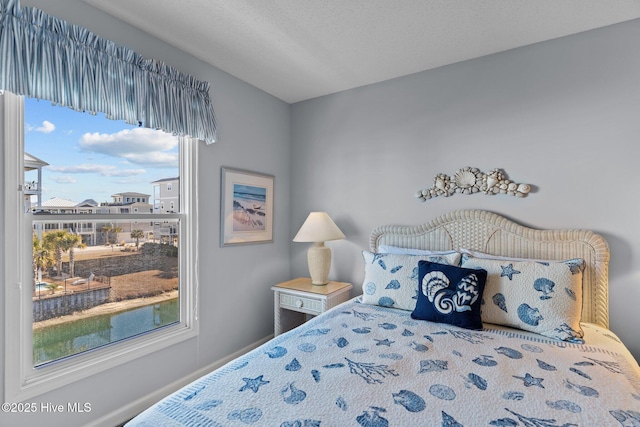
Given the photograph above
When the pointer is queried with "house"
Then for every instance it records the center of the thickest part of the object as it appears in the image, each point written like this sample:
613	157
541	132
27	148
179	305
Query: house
166	195
58	205
33	166
127	203
129	198
561	115
166	199
123	203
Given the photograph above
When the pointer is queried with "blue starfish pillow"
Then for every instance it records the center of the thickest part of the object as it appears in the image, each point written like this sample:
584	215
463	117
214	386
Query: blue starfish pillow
544	297
450	294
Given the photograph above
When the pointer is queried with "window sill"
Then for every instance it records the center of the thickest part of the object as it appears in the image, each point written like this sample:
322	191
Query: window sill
57	374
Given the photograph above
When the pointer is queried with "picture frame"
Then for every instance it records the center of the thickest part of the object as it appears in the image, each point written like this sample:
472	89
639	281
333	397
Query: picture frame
246	207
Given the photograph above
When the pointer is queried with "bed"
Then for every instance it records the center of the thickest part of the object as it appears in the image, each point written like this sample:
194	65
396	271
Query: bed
375	361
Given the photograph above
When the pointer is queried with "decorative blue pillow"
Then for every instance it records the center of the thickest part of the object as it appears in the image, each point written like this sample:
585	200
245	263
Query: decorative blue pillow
450	294
391	280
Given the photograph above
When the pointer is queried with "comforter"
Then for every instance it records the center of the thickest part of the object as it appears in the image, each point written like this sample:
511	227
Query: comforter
372	366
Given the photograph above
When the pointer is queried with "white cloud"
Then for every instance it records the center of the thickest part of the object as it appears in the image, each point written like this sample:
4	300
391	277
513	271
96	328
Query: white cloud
77	169
154	159
141	146
124	172
102	170
47	127
64	179
129	180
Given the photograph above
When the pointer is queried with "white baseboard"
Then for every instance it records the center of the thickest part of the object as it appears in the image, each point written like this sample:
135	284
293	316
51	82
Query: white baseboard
129	411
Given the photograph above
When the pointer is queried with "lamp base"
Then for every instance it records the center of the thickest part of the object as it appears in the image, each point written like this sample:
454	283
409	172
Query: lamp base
319	259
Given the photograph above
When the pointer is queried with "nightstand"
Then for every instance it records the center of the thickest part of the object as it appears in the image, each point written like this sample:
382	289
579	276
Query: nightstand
297	298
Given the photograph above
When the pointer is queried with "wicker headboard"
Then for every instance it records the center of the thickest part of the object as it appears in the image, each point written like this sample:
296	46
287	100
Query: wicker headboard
493	234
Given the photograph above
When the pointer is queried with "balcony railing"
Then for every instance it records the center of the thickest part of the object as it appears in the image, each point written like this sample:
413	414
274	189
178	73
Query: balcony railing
31	187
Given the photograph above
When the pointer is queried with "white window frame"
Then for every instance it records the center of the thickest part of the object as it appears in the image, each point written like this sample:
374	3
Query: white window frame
22	380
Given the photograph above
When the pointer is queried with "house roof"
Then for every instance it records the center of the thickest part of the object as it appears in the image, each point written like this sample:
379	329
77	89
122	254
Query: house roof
57	202
166	179
131	194
88	203
31	162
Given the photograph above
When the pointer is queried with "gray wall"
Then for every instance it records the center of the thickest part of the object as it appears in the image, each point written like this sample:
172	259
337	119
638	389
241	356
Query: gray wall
562	115
234	281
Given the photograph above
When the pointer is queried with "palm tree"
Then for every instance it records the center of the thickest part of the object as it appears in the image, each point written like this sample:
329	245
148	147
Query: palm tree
43	258
52	240
137	234
111	233
69	243
106	229
62	241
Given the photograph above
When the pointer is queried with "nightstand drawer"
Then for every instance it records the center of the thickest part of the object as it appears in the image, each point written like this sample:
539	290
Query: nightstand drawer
295	302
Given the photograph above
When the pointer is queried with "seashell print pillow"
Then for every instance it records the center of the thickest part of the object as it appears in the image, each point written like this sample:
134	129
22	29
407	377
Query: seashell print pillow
391	280
450	294
537	296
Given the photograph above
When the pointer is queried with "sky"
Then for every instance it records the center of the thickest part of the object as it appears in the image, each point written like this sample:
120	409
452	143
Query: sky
91	157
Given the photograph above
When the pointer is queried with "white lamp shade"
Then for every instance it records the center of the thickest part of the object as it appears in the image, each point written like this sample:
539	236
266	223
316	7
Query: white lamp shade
318	227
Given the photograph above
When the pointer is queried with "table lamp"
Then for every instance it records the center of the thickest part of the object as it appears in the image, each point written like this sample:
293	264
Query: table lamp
318	228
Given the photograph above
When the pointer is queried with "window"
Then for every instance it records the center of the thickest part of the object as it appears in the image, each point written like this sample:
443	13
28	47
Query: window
104	248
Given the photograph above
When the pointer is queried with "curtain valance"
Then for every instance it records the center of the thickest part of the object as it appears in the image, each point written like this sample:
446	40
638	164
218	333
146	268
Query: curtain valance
44	57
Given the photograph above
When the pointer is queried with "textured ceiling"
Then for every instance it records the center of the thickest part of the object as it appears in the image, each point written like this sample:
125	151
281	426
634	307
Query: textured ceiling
301	49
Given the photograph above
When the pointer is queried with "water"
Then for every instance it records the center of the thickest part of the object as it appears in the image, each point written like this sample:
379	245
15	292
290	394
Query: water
42	286
66	339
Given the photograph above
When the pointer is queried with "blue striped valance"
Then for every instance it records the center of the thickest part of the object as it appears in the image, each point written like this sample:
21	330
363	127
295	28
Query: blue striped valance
47	58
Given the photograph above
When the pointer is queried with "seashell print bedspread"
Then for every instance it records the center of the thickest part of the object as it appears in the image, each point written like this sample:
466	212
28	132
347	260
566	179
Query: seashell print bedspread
370	366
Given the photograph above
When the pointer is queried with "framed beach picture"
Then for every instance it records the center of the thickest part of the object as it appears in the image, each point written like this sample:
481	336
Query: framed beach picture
246	208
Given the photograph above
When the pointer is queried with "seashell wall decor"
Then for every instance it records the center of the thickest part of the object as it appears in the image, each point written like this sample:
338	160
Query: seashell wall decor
470	180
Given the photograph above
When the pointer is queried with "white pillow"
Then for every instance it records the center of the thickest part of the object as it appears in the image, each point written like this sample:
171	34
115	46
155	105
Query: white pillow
388	249
391	280
476	254
541	297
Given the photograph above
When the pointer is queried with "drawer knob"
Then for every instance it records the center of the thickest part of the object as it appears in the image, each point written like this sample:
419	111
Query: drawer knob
298	303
